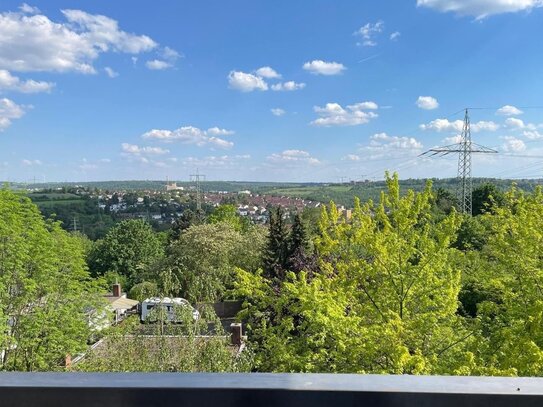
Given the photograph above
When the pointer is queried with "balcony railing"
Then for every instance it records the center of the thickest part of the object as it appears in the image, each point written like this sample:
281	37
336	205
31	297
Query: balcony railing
224	390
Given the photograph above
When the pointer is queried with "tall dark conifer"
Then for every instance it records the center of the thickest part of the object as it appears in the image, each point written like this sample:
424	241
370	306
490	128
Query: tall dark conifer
277	250
297	245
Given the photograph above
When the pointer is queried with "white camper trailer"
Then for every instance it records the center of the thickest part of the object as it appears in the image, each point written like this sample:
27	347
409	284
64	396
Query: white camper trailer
169	306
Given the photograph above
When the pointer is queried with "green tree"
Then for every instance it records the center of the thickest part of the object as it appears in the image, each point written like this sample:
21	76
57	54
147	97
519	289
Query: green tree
199	266
187	219
311	217
45	290
277	249
485	198
128	247
228	214
472	234
298	244
445	200
143	290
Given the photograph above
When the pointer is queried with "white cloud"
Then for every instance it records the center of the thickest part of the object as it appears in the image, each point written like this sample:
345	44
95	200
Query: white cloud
246	82
427	102
480	8
293	157
364	106
513	144
103	33
137	150
88	167
453	139
35	43
509	110
319	67
382	145
9	110
368	32
395	35
268	73
216	131
158	65
333	114
110	72
532	135
186	134
221	162
384	141
444	125
351	157
440	125
105	160
192	135
515	123
288	86
277	111
170	54
8	82
219	142
484	126
30	163
25	8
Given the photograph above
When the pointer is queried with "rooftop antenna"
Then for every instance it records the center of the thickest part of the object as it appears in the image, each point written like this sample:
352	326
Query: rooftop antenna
198	178
465	148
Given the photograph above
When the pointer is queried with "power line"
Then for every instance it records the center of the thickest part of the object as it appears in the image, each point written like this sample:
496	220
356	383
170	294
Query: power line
518	169
496	108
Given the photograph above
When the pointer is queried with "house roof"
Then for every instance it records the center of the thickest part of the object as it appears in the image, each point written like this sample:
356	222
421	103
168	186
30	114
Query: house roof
122	302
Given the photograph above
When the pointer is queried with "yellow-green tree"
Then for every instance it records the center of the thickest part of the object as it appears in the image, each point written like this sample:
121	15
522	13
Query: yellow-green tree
385	300
507	275
46	295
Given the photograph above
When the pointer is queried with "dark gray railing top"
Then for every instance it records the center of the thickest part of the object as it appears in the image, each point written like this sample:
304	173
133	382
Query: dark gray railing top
215	389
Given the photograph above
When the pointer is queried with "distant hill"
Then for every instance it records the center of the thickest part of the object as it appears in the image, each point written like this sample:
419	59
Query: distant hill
323	192
230	186
344	193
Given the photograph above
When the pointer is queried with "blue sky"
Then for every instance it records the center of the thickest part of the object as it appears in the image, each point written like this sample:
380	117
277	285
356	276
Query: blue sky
267	90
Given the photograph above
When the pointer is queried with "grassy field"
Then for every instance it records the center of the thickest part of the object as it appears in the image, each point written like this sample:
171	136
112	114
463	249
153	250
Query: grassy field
57	202
309	190
57	196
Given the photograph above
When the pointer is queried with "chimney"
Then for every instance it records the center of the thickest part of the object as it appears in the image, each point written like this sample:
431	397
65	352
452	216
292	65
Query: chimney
117	290
68	361
236	333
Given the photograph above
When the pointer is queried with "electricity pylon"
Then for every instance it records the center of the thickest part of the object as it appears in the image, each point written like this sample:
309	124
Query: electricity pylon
465	148
198	178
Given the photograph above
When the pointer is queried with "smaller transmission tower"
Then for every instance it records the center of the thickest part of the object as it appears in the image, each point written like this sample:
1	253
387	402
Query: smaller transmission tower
197	178
74	224
465	148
